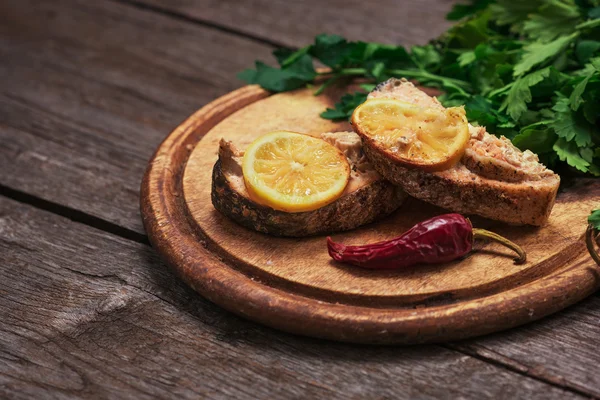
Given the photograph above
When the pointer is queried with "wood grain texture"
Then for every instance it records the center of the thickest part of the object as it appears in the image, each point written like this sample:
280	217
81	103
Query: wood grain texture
89	315
292	285
89	89
142	94
562	349
296	23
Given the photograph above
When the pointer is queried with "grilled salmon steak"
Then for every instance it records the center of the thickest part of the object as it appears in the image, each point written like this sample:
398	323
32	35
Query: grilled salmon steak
366	198
493	178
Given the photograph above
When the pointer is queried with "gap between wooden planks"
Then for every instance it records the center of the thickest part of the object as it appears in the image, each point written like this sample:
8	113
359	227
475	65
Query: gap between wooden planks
87	313
85	115
295	24
547	365
92	88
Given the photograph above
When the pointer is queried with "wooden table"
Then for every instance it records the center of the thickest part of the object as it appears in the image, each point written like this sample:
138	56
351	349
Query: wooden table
88	89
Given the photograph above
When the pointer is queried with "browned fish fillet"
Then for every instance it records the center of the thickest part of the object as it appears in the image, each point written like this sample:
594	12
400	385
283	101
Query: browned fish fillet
494	179
367	196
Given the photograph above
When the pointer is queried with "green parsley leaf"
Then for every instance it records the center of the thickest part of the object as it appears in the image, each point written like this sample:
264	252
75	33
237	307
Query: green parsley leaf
296	71
302	67
510	12
594	219
529	70
391	56
471	32
537	53
425	56
570	126
367	87
281	55
480	109
586	49
553	19
591	111
466	58
484	112
376	69
587	154
248	76
281	80
576	98
589	68
287	57
538	137
335	114
519	93
531	117
569	152
595	167
460	11
345	107
331	50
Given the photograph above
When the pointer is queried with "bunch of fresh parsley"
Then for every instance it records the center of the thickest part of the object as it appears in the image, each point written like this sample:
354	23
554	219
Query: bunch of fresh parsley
528	70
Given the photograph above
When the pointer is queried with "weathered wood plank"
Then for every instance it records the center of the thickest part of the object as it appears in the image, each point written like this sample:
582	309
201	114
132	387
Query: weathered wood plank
73	85
89	89
562	348
296	23
88	314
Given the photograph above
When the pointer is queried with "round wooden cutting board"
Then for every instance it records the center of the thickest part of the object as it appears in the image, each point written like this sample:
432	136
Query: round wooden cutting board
293	285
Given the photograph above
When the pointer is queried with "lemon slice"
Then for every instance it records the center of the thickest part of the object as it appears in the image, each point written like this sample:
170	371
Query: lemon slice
427	138
294	172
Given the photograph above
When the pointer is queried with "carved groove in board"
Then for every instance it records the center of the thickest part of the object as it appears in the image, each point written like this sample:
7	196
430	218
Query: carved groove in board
482	293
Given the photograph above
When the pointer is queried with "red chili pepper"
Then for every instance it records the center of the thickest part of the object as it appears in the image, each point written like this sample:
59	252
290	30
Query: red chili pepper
438	240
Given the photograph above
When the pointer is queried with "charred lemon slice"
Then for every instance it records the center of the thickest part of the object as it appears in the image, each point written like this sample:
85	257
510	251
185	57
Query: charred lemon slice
427	138
294	172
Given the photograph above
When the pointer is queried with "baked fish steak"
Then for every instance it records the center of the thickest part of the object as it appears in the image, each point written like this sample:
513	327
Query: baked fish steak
493	179
366	198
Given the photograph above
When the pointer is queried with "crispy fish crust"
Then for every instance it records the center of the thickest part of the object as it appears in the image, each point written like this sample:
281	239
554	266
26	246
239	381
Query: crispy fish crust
493	179
360	204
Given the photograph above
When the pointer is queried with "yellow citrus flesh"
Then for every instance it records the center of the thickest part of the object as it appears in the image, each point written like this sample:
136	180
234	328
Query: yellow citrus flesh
427	138
294	172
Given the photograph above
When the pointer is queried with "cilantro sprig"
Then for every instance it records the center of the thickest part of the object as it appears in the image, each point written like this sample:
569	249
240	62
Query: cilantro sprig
527	70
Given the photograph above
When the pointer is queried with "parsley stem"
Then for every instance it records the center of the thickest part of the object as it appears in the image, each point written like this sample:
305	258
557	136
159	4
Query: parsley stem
588	24
326	84
416	74
345	71
352	71
424	74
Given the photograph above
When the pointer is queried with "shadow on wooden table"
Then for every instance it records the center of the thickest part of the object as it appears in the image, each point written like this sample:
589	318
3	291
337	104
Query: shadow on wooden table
227	327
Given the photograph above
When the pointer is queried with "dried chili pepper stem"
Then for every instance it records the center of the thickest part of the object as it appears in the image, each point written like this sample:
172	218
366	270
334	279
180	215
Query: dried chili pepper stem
485	234
589	242
437	240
